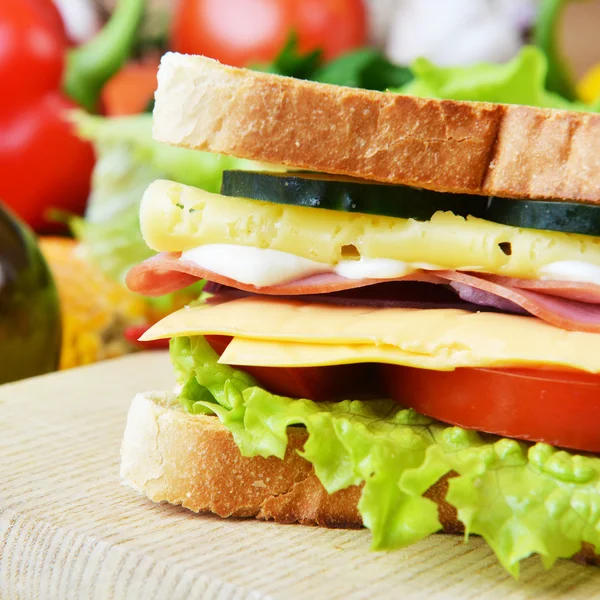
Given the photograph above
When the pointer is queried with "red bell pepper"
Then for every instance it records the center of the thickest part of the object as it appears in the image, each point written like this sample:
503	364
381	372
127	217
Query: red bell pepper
43	164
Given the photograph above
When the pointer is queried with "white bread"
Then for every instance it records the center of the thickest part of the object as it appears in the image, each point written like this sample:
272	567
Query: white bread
192	460
479	148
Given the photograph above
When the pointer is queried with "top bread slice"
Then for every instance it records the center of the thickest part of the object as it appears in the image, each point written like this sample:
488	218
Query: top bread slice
469	147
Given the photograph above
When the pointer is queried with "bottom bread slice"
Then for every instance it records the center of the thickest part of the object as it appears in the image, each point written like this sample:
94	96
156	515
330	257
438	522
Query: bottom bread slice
192	460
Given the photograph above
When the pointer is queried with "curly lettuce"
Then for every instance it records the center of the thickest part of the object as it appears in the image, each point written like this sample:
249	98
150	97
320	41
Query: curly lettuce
519	81
522	498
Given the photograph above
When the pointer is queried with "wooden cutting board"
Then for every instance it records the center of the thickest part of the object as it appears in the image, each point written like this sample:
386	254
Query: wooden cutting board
70	529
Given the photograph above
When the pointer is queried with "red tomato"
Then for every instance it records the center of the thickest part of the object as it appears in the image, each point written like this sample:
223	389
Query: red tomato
238	32
315	383
561	408
51	13
32	50
43	164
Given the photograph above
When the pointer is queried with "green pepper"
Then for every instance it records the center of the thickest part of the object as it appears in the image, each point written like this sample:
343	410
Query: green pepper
546	36
91	65
30	325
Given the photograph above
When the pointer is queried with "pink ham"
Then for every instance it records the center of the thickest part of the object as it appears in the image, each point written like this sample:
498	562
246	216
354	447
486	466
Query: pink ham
160	275
582	292
566	305
561	312
386	294
166	273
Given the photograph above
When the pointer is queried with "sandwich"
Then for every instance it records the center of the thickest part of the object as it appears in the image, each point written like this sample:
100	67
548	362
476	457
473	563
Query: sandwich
401	331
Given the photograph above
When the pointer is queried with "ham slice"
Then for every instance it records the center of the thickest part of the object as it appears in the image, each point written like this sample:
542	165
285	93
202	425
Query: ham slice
481	298
166	273
582	292
567	305
387	294
561	312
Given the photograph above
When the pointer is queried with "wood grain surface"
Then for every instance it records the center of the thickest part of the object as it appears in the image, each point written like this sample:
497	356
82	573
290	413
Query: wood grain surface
70	530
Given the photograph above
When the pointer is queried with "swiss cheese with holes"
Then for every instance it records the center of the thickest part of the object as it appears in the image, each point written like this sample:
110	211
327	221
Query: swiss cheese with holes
175	217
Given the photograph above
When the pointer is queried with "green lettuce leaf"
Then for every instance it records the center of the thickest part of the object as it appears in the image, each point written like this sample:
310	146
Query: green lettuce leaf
522	498
519	81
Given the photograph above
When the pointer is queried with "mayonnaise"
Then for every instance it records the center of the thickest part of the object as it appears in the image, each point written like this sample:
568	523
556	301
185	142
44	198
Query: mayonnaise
378	268
264	267
253	266
571	270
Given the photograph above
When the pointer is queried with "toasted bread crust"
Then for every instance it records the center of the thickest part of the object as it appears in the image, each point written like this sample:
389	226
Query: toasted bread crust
192	460
470	147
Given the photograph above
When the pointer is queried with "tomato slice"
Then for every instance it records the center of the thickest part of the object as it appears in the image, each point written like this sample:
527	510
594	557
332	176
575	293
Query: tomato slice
561	408
337	382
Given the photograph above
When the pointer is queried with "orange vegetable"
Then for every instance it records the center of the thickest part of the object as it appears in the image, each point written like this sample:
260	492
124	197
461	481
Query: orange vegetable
130	91
95	310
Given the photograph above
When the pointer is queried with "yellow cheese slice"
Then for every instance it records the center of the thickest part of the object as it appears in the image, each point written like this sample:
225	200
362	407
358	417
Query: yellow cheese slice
268	353
455	336
175	217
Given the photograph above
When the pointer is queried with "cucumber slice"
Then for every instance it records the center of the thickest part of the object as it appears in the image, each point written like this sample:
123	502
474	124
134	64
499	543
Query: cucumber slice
568	217
317	190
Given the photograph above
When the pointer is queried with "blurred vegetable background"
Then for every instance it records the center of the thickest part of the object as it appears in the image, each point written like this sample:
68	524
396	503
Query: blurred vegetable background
76	150
96	309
